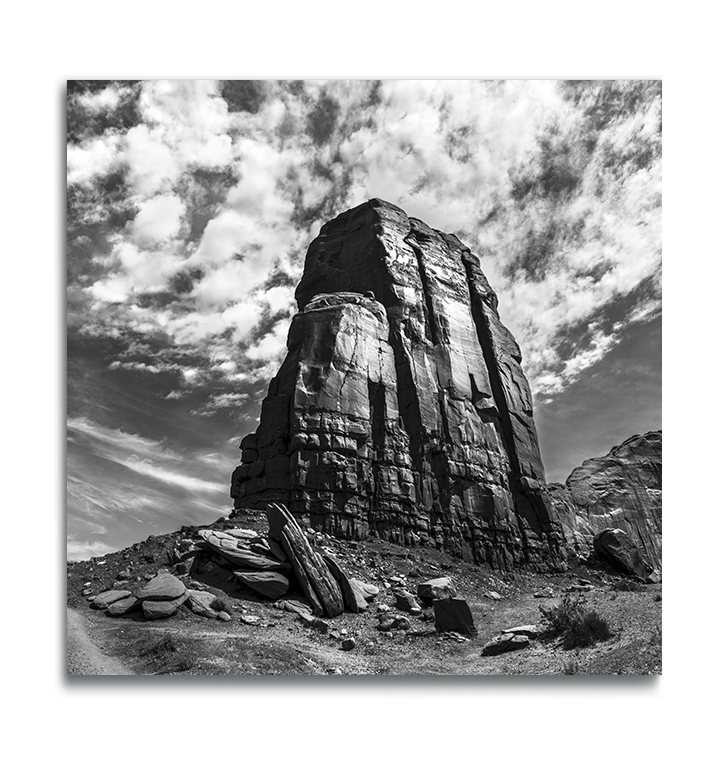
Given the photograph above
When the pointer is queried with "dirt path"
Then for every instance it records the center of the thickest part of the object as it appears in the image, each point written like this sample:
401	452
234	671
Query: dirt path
84	657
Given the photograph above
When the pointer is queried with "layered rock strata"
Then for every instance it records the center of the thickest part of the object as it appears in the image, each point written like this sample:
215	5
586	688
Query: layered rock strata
401	408
622	490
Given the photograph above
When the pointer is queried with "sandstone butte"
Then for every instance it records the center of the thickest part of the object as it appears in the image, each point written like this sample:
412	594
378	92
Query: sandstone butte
621	490
401	409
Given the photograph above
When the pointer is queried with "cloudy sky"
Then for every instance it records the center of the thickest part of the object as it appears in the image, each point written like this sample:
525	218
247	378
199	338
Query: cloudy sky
190	207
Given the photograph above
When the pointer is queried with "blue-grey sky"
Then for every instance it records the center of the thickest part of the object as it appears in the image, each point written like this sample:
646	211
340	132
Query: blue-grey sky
191	205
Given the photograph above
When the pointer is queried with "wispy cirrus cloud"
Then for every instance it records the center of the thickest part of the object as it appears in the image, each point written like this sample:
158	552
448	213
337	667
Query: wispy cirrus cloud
140	455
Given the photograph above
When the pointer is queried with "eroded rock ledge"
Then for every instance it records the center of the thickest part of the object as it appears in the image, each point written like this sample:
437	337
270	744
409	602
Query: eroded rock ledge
401	407
622	490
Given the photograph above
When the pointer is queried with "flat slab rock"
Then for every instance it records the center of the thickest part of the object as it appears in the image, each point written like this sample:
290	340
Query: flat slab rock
122	606
505	643
106	598
453	615
269	584
163	586
163	608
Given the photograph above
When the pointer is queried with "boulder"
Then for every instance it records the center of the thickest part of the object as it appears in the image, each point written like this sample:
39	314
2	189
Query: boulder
122	606
402	385
163	608
406	601
492	595
267	584
453	615
437	588
348	644
106	598
163	586
385	622
504	643
200	603
619	549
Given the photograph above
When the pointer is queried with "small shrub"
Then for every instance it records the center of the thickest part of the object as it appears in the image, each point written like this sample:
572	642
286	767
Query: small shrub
164	646
578	625
658	597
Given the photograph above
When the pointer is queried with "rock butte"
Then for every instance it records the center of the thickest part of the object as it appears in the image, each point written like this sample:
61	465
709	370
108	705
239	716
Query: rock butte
401	409
622	490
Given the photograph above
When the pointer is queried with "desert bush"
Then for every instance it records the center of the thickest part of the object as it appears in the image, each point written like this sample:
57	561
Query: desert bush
579	625
164	646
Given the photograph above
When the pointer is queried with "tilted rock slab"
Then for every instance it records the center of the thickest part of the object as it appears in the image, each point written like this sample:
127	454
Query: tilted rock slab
401	408
352	591
619	549
313	575
622	490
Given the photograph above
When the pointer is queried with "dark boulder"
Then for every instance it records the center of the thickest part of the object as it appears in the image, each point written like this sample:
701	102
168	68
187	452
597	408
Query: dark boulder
619	549
453	615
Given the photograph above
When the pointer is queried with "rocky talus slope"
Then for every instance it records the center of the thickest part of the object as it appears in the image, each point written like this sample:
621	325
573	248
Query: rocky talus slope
401	409
622	490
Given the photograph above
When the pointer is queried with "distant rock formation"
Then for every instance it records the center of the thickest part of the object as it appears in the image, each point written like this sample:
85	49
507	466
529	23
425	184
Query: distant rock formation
622	490
401	408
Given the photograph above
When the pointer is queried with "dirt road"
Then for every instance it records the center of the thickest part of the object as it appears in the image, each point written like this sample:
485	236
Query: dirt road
84	657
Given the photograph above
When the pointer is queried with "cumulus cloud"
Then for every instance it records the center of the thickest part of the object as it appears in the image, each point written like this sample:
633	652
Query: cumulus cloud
159	219
556	187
